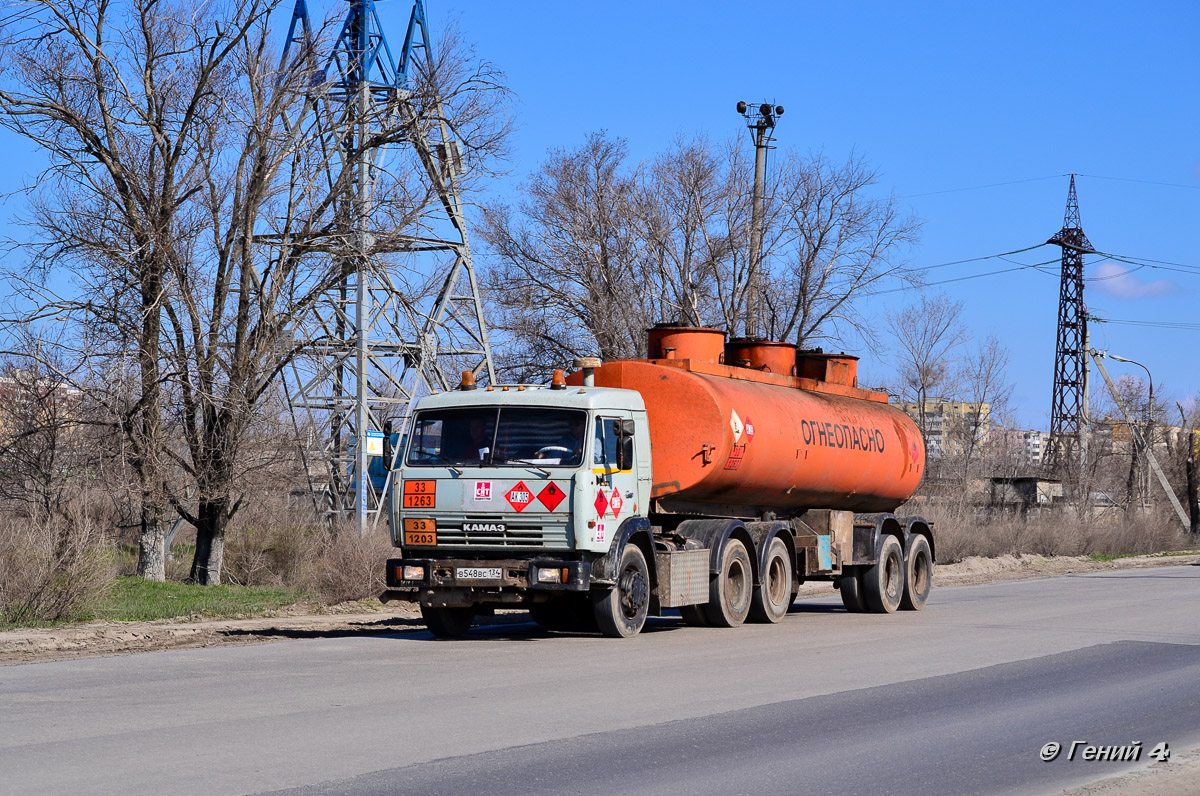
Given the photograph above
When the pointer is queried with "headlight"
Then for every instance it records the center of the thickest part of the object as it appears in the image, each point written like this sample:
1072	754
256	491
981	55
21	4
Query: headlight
558	575
414	573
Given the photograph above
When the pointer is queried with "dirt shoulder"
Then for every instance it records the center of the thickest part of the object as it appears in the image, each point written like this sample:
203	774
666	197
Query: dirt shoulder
367	618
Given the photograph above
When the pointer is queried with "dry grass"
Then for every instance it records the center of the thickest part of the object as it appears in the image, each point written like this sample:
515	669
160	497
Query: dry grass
54	569
331	562
963	531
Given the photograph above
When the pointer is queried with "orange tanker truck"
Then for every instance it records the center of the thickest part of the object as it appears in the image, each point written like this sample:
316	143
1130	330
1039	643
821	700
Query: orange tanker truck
711	477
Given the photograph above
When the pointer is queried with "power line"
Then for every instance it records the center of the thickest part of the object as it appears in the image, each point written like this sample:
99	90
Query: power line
1191	327
1001	255
1182	268
1143	182
20	15
964	278
981	187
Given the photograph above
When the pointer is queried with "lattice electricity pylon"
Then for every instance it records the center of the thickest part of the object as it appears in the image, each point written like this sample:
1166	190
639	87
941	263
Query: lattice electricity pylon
408	311
1068	413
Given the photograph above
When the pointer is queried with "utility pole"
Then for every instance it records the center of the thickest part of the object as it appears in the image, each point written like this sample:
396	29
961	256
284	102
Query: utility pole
1068	407
761	122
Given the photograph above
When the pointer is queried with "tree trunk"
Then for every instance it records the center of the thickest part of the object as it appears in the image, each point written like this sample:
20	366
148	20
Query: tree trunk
1131	479
152	548
212	517
1193	498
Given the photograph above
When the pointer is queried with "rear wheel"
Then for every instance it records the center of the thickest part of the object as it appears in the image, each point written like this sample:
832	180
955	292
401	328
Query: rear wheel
621	611
852	590
773	596
883	582
731	592
918	574
448	621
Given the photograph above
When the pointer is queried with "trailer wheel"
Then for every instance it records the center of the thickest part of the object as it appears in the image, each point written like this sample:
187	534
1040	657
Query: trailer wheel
883	581
918	574
731	592
621	611
772	597
448	621
852	590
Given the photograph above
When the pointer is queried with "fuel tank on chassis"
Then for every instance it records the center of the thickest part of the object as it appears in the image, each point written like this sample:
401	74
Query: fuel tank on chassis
736	436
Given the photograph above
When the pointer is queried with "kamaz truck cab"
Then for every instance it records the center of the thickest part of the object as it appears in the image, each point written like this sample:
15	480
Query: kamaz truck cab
509	497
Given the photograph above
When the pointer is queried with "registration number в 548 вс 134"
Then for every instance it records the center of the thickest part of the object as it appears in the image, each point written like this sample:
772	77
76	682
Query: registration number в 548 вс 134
478	573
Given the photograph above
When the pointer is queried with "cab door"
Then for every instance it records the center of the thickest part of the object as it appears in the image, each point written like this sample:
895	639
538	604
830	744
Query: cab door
613	465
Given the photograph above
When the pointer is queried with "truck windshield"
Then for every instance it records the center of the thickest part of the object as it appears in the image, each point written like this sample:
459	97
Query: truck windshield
504	436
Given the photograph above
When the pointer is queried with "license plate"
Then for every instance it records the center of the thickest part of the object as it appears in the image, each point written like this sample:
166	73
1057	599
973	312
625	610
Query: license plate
478	573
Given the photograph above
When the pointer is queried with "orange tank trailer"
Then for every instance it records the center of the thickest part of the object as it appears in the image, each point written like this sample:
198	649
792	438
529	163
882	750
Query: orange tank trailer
736	437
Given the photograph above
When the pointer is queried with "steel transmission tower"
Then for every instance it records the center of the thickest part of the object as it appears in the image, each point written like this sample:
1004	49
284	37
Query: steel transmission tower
1068	414
408	312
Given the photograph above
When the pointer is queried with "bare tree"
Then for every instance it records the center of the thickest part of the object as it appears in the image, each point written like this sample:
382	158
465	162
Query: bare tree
986	390
927	337
600	248
687	214
565	280
837	244
174	148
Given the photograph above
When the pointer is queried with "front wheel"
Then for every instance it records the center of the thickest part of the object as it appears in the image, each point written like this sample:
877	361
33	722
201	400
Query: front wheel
448	621
621	611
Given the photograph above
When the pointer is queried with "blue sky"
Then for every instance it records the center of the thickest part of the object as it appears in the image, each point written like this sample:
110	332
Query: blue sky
938	97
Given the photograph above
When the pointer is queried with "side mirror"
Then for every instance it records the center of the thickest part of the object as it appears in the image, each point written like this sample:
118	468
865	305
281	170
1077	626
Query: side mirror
388	453
624	444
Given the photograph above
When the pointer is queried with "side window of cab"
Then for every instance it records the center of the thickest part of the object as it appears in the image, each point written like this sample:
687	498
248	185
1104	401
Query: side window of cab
614	450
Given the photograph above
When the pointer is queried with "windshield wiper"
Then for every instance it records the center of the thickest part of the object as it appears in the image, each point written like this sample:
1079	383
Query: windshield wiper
534	465
439	457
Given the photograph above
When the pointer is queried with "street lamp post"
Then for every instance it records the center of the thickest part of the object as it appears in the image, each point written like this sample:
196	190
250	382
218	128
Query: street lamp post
1149	436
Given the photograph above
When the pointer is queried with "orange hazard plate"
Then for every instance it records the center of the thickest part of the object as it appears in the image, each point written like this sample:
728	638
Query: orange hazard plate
419	495
420	532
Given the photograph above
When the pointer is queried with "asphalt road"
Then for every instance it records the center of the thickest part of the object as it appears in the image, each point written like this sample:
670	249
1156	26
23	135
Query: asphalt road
957	699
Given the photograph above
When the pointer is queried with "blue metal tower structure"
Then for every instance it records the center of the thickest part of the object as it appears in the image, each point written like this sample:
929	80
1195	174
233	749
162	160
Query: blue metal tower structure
376	344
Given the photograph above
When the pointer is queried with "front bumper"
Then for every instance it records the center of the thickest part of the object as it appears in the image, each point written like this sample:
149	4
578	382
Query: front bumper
440	583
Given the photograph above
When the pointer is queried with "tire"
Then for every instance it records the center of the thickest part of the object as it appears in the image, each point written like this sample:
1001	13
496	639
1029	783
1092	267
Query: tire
448	622
852	590
918	574
693	615
621	611
883	581
732	590
772	598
